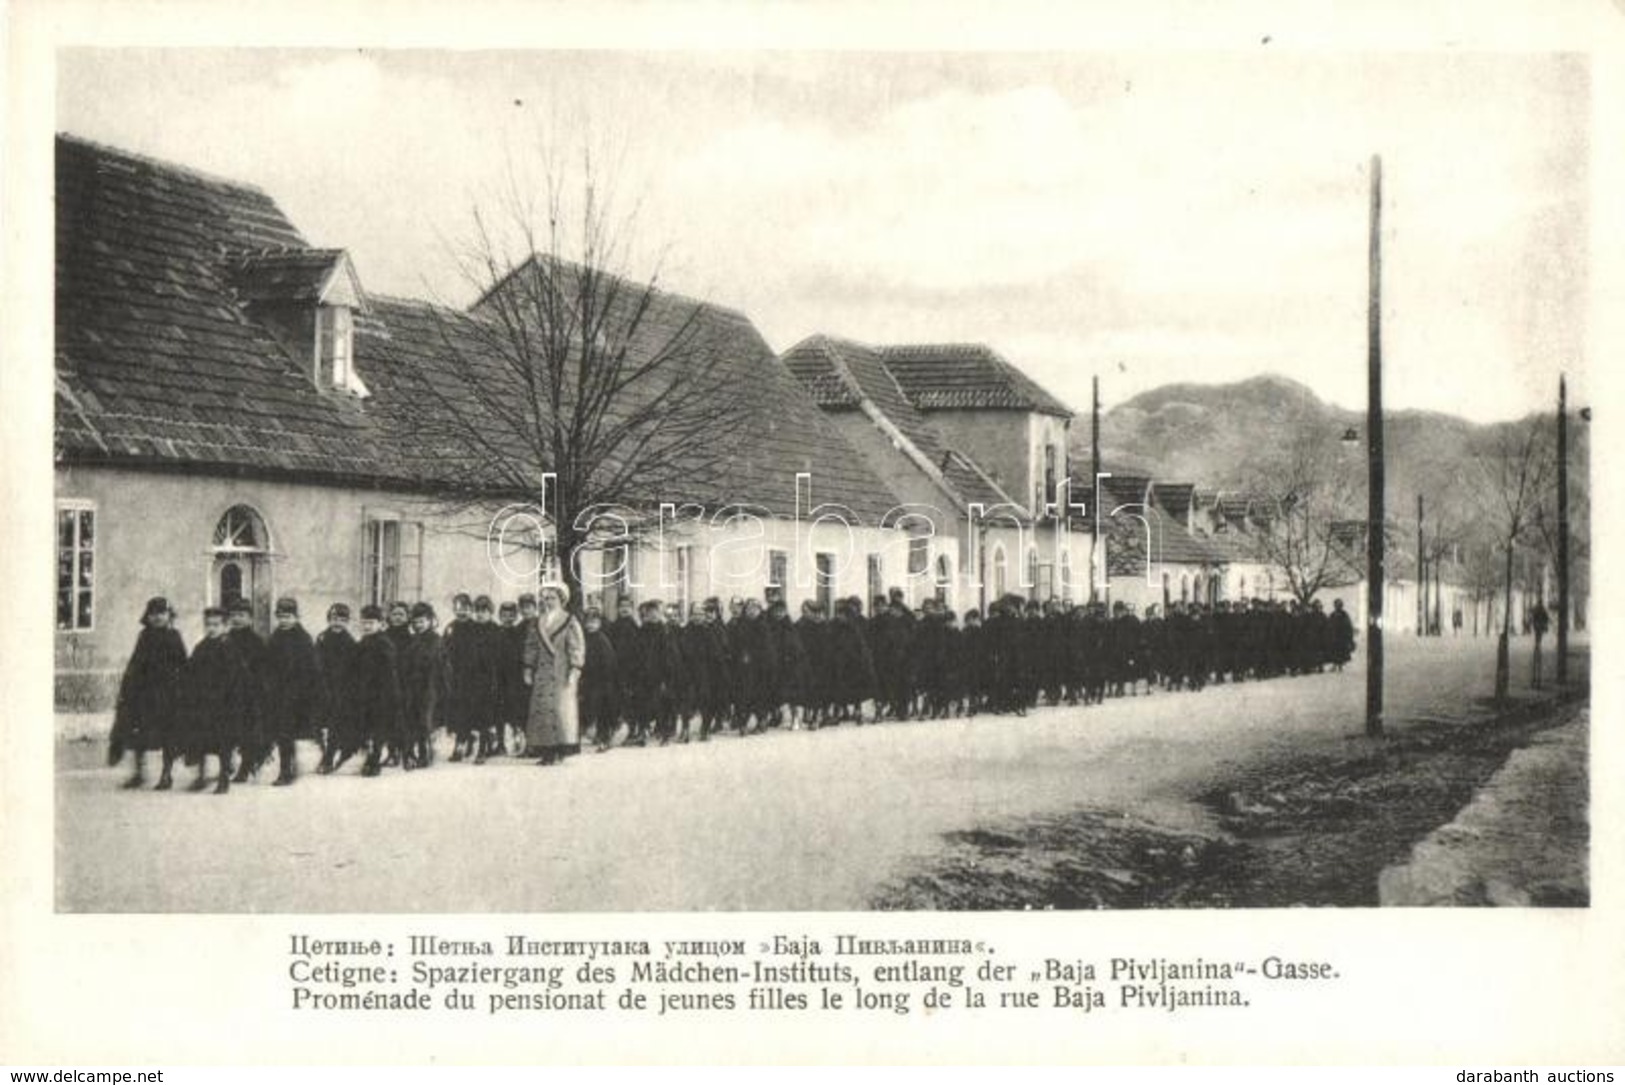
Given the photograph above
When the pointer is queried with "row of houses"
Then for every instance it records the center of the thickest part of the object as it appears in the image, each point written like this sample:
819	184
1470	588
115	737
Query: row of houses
232	422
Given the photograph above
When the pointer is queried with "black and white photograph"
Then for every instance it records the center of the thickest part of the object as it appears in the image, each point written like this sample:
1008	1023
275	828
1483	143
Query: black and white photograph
641	481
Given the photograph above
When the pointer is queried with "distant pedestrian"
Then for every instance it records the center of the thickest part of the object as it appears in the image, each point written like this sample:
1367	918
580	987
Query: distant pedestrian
1539	622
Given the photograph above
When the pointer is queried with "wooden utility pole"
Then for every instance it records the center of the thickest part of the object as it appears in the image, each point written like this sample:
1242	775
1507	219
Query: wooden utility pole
1562	529
1095	564
1376	514
1421	573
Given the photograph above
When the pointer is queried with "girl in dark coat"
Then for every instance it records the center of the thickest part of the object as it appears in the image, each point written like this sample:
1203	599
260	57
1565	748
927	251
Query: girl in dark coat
977	663
600	685
794	670
718	663
378	691
660	665
423	684
253	737
335	662
292	687
216	690
148	696
813	633
514	709
850	660
755	667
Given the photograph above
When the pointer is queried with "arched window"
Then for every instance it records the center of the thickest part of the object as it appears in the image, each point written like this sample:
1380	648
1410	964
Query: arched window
241	547
1184	587
231	583
945	576
1000	572
1032	572
241	530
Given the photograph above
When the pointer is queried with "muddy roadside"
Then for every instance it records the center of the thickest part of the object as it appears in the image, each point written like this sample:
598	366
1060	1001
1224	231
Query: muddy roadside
1295	829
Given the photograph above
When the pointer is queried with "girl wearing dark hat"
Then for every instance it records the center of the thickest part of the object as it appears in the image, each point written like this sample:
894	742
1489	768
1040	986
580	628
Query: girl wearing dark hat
378	691
292	688
423	682
215	688
335	653
148	696
254	737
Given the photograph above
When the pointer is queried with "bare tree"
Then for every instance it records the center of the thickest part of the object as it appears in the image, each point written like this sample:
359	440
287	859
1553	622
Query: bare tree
1546	525
1304	499
1515	474
570	368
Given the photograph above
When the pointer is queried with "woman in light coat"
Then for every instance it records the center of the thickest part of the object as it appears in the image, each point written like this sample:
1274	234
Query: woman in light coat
555	653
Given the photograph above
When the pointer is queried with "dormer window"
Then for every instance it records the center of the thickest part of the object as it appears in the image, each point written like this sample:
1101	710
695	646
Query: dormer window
308	299
334	341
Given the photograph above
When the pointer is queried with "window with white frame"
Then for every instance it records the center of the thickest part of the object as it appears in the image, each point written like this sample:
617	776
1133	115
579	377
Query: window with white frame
824	584
75	566
919	554
778	568
334	336
393	560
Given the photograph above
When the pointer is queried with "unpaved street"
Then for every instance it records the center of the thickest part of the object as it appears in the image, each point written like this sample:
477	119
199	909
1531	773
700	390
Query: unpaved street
784	821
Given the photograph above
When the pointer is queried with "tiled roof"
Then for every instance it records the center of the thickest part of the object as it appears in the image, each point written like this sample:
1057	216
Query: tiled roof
1176	497
1118	490
283	275
949	376
157	362
777	432
841	374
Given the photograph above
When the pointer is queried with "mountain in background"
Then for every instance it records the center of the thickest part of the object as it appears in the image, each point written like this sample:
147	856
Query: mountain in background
1216	435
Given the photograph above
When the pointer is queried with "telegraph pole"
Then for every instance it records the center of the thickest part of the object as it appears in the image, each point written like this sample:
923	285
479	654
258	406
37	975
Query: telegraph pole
1562	529
1421	574
1094	490
1375	512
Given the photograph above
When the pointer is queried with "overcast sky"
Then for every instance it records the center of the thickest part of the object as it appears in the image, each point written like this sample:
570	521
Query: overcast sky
1150	217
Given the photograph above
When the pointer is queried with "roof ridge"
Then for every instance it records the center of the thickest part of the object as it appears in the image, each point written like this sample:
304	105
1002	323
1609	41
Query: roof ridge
160	164
652	285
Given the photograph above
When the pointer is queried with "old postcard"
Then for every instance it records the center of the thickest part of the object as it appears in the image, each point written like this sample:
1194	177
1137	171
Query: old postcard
1066	543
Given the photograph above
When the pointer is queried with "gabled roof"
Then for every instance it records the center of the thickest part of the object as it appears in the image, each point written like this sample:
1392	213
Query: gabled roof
1176	497
157	361
160	361
293	276
1119	490
841	374
957	376
780	431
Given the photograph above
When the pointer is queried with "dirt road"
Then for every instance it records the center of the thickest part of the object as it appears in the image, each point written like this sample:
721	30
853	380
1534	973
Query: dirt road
784	821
